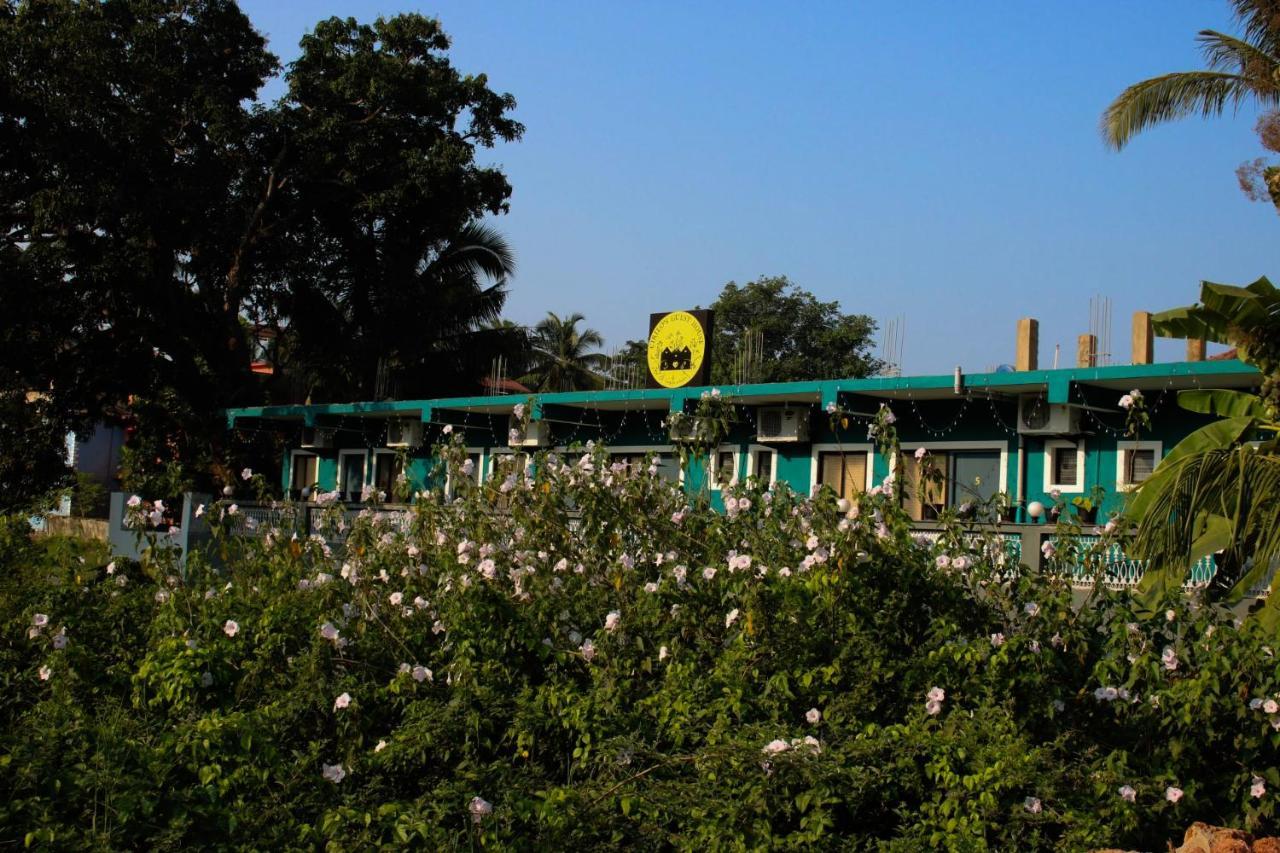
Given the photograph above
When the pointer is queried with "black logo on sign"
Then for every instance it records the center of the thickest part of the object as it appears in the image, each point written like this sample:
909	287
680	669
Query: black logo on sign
680	359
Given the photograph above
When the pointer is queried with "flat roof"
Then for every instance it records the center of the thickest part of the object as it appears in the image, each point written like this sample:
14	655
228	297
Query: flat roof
1055	384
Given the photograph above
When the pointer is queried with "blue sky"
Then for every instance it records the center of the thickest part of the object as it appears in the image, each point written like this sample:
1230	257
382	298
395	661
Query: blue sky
938	161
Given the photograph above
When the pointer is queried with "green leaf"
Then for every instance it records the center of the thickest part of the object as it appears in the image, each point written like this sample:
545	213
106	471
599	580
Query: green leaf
1225	404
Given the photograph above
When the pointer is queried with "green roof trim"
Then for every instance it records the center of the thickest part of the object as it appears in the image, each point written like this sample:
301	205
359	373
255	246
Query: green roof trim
1057	385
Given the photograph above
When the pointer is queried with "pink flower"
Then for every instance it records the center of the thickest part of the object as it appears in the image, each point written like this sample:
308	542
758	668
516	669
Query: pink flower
1047	549
1126	402
1127	793
448	429
1172	794
1258	787
40	620
395	598
1170	658
960	563
44	673
343	701
1031	609
813	716
921	453
1032	804
942	561
328	631
588	650
1169	615
774	747
731	617
134	501
246	474
421	673
936	694
480	808
333	772
997	639
1271	706
231	627
612	621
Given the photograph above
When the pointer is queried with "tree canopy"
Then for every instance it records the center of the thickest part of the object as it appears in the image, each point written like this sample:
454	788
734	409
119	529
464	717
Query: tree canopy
560	355
157	212
802	338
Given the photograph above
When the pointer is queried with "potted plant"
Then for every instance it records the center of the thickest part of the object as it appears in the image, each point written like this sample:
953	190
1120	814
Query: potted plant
1086	506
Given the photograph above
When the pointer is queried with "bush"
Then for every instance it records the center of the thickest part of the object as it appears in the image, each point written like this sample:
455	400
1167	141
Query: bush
575	659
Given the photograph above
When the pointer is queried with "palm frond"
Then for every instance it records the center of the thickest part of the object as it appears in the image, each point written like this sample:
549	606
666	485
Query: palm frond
1168	97
1228	53
1260	21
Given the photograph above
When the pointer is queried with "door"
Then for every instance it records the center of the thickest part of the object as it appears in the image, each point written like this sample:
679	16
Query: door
975	476
352	476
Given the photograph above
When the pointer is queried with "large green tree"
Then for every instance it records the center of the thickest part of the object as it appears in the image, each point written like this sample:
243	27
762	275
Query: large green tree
800	337
561	357
1243	69
151	211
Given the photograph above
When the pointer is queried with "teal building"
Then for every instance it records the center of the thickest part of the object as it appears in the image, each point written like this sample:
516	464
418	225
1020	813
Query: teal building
1031	435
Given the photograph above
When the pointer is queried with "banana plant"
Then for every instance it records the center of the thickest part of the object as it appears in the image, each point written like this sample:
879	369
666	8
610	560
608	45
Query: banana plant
1218	491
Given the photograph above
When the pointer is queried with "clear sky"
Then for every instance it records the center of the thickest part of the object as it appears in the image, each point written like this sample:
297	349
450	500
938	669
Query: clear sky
937	161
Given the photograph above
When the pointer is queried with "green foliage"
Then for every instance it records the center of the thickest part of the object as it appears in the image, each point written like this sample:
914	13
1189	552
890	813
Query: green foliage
569	657
160	212
559	356
803	338
33	456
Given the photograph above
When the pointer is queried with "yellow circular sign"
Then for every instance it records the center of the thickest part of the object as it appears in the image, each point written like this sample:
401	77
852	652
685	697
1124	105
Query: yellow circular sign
677	346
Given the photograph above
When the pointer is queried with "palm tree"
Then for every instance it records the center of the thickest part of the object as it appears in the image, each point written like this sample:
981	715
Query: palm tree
560	361
1241	69
1216	491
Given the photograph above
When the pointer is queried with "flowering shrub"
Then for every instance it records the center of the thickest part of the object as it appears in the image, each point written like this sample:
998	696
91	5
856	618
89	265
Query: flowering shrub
571	657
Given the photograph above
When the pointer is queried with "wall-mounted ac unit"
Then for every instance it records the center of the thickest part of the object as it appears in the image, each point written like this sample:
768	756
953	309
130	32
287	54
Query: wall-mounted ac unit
780	424
1037	416
404	432
535	434
316	438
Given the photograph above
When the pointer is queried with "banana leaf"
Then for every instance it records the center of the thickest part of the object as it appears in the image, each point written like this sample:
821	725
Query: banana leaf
1224	404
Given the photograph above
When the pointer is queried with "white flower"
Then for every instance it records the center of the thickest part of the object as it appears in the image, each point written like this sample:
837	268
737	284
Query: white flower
960	563
612	620
40	620
60	639
936	694
448	429
1270	706
1255	704
328	631
395	598
1257	787
663	653
943	561
343	701
1047	549
333	773
1032	804
1172	794
774	747
44	673
1126	402
651	587
111	567
831	408
246	474
921	453
421	673
813	716
1127	793
1031	608
231	627
708	573
731	617
480	808
588	650
1170	658
997	639
233	509
382	744
134	501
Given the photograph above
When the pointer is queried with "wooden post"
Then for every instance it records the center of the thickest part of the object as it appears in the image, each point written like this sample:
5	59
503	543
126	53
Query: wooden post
1195	350
1143	338
1027	356
1087	351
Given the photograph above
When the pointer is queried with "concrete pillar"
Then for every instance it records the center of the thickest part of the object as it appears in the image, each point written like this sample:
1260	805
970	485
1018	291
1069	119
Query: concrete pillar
1195	350
1143	338
1087	351
1027	356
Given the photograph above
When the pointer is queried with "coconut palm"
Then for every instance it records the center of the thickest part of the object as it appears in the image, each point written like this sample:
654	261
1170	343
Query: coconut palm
1244	68
1217	491
560	360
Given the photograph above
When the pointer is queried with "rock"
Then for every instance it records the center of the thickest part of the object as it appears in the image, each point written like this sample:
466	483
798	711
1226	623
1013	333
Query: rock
1270	844
1203	838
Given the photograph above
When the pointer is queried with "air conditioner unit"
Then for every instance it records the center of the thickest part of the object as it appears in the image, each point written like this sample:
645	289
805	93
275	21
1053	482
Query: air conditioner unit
782	424
404	432
535	434
1037	416
316	438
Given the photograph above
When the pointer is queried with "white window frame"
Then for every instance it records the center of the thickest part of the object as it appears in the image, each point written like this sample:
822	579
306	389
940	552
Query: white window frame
342	469
477	476
293	467
1051	446
1121	446
372	474
712	470
752	450
1000	446
816	451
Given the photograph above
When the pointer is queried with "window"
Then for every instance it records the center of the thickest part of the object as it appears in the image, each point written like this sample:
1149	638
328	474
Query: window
387	468
924	500
844	473
973	472
476	457
303	471
351	468
724	468
1064	465
1135	462
760	463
